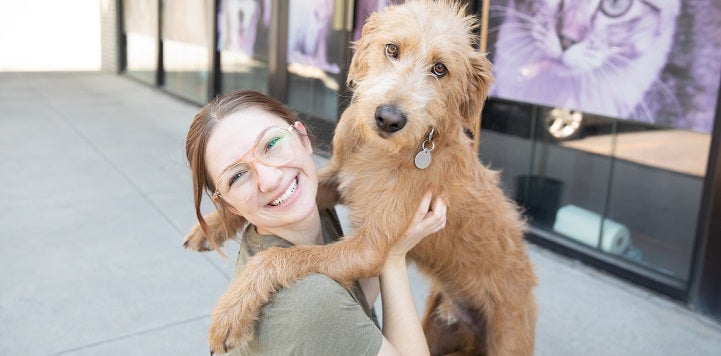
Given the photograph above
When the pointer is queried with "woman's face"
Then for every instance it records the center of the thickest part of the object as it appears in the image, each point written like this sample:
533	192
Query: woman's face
276	196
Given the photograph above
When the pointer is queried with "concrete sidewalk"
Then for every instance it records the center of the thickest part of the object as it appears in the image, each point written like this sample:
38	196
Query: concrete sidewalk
95	198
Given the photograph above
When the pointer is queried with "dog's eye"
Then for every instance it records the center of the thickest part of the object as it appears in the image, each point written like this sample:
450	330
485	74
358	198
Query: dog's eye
392	51
439	69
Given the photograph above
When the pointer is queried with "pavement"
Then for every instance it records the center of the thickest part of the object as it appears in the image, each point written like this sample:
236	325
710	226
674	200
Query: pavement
95	198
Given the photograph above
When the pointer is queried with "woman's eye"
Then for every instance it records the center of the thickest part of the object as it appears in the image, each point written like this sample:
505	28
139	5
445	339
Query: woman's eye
236	176
272	143
392	51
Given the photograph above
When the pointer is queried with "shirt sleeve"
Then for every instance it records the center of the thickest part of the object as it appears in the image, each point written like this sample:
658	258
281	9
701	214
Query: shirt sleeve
316	316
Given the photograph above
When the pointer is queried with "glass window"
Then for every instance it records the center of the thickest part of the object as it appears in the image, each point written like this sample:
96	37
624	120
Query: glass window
316	45
141	33
615	128
506	142
243	40
656	189
186	49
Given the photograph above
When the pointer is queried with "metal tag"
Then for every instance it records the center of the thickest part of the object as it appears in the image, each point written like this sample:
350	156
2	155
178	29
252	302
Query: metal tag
423	159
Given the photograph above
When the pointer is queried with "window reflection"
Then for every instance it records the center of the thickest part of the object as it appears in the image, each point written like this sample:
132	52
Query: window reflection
186	35
315	52
142	57
141	33
243	39
620	129
630	190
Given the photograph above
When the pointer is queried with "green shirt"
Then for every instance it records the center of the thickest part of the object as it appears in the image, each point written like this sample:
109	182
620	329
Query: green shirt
315	315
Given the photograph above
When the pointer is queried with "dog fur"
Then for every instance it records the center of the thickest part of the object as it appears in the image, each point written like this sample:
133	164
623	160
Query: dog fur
481	299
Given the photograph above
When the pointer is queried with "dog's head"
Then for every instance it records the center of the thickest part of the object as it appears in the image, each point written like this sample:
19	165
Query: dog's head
415	67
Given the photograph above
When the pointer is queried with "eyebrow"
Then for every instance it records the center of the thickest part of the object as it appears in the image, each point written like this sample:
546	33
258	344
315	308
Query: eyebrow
257	140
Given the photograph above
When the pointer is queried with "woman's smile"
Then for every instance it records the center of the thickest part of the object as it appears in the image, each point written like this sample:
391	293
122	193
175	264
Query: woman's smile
286	196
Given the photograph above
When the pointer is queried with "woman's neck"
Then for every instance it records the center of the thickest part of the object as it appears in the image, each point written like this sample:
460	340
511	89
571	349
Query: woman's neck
306	232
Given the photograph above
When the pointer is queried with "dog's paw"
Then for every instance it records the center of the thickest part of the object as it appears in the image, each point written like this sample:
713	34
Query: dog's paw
224	335
231	325
196	240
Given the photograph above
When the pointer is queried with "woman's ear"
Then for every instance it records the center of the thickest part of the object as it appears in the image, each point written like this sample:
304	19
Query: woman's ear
303	136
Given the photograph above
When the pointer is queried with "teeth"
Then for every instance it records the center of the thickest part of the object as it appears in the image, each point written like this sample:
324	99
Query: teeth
287	194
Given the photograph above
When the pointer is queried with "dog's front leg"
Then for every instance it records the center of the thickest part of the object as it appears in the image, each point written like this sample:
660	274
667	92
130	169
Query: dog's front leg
353	258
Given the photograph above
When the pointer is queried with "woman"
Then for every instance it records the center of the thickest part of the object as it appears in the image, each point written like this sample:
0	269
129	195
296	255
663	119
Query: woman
251	155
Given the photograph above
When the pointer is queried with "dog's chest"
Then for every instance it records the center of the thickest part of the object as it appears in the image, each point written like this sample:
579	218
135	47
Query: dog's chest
393	175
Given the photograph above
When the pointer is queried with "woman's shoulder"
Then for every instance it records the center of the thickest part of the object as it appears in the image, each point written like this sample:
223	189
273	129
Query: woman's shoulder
314	290
316	315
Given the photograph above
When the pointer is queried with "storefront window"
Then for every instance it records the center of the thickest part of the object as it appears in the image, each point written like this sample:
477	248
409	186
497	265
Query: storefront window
316	45
243	42
610	108
141	33
655	192
186	47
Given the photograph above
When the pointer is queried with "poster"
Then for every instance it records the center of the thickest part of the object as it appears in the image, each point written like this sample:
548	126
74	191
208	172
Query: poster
187	21
243	26
652	61
364	8
309	24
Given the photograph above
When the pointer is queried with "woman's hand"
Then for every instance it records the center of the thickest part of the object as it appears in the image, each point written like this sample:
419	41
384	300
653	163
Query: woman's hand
402	329
427	220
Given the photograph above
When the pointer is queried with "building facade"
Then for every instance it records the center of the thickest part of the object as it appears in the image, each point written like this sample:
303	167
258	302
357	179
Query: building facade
604	121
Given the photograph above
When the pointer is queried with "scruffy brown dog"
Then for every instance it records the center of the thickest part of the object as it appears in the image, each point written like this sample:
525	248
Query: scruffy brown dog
418	84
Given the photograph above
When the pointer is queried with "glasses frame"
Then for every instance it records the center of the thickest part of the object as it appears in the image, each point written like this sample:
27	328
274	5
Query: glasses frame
250	164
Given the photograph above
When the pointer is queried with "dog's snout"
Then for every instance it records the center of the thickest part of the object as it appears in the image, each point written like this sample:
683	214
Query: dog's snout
390	118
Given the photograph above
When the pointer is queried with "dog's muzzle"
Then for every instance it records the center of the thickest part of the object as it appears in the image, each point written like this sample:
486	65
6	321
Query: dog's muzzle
389	118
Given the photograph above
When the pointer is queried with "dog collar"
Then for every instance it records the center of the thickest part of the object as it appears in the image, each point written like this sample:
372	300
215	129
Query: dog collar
423	158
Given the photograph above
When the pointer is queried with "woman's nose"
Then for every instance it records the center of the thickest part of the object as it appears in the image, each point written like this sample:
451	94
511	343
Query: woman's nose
269	177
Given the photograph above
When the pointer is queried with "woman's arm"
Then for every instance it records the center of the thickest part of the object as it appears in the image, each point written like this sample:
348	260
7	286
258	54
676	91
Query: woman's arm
371	288
402	330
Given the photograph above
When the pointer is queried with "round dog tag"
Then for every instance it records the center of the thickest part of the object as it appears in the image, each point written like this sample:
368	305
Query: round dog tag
423	159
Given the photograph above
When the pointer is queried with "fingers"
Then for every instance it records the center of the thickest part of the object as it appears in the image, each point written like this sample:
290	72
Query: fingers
431	215
436	218
423	207
429	218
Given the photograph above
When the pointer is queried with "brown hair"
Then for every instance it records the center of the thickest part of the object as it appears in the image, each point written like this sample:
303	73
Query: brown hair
197	140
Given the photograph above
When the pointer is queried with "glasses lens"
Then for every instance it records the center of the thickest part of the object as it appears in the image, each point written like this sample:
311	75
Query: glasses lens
275	148
234	181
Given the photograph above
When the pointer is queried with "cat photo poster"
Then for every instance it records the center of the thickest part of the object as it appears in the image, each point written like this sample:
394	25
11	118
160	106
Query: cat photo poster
651	61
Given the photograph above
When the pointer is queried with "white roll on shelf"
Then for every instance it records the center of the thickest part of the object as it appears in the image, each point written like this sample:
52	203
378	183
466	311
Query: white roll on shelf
588	228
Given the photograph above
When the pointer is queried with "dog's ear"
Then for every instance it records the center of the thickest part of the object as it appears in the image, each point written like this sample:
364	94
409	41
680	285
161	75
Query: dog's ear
359	63
479	82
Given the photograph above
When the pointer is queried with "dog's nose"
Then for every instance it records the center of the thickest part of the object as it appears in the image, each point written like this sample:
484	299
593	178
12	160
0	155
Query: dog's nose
390	118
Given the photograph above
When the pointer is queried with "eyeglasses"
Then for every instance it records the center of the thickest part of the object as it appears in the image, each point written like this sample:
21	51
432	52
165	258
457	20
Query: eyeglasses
276	146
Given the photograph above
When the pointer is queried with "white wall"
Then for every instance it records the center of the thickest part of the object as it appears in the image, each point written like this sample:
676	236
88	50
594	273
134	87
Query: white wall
49	35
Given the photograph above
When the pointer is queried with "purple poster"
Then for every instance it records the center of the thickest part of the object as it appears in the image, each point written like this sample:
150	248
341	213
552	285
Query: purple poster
364	8
243	25
652	61
309	23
